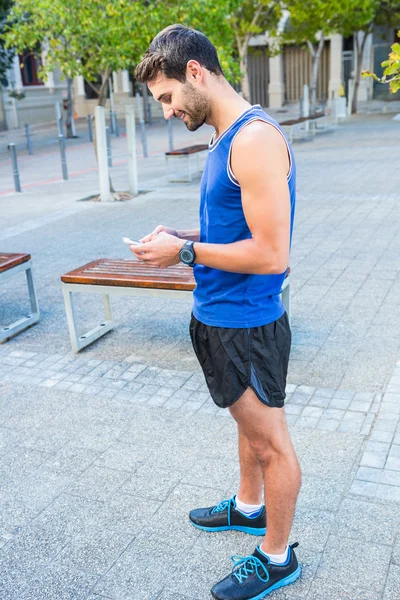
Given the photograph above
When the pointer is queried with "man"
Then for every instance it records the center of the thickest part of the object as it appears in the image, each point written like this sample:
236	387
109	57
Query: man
239	329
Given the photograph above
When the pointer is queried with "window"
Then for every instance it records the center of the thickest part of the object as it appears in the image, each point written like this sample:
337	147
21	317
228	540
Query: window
30	64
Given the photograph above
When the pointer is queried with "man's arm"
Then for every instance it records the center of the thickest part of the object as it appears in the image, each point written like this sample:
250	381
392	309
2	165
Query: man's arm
260	163
189	234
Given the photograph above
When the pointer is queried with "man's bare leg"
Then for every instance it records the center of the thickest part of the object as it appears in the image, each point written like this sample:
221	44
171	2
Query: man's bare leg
251	475
266	431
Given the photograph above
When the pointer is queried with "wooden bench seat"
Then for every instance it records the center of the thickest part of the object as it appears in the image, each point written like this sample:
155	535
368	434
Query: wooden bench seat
304	126
180	164
11	265
127	277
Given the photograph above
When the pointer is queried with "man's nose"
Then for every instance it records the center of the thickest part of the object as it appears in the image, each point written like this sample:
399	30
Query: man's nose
168	112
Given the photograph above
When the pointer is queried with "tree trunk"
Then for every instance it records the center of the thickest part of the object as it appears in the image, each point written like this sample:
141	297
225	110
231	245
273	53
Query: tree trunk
70	108
244	74
316	55
102	102
357	70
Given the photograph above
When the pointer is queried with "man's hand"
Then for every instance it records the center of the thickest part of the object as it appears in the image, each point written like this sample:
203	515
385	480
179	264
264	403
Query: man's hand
161	251
157	230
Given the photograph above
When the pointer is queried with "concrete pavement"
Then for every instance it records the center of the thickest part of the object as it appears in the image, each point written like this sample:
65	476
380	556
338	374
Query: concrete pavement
103	454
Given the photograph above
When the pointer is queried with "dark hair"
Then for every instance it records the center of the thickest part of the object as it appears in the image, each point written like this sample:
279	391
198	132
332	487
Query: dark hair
170	52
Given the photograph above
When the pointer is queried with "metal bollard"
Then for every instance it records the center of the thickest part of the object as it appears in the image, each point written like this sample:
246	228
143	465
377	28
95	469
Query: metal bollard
116	126
17	182
28	139
111	121
108	137
61	140
170	135
144	138
90	127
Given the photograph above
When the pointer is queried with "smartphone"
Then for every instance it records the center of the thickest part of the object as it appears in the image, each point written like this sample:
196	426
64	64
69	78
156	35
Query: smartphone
130	242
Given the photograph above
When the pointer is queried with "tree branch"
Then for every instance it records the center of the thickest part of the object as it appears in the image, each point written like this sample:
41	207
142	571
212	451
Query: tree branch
311	48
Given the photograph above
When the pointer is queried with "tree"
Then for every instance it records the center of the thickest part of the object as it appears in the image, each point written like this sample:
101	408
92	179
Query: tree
391	73
91	39
360	21
81	38
248	18
6	54
310	23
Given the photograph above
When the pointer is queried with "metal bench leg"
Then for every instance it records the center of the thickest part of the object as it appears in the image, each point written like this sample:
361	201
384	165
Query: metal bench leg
79	342
287	300
22	324
32	294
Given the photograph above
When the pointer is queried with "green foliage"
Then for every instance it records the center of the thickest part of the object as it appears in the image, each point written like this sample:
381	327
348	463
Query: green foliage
307	19
96	37
6	54
82	38
391	73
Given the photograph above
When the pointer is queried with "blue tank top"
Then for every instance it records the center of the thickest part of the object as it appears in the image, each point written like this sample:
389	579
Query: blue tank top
221	298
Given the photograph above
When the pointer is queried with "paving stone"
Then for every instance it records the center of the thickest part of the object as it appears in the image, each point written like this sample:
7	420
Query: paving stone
312	411
56	581
121	456
93	550
382	425
307	422
327	589
328	424
332	413
388	492
377	447
369	474
98	483
390	477
293	409
312	528
350	427
381	436
393	583
300	398
393	463
364	488
367	522
342	562
376	460
320	401
305	389
71	459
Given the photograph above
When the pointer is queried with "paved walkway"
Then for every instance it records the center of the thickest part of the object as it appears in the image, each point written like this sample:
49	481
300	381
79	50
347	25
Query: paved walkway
102	454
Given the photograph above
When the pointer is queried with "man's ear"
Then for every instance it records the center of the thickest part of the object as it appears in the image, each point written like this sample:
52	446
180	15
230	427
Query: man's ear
194	71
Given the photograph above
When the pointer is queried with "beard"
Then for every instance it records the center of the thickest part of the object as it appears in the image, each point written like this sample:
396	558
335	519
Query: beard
197	107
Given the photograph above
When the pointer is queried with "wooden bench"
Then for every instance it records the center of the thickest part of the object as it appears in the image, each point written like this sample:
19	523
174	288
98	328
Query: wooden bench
304	126
179	162
10	265
127	277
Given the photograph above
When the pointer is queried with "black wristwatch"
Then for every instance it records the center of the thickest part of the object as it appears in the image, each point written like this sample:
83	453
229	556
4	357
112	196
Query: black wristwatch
187	254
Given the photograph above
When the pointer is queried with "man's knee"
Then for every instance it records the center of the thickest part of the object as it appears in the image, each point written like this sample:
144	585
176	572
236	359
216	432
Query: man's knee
274	450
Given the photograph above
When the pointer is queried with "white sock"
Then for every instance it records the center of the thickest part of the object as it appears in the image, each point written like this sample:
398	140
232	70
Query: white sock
278	559
250	510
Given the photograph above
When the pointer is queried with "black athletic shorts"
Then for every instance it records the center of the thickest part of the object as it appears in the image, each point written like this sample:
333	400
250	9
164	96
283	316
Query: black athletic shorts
236	359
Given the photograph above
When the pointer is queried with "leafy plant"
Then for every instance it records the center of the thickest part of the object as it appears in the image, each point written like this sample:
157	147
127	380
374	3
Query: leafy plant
391	73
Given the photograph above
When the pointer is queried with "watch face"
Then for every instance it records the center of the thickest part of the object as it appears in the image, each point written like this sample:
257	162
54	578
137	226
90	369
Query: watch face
186	256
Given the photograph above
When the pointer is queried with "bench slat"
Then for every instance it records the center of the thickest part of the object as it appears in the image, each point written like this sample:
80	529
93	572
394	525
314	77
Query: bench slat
8	261
132	273
188	150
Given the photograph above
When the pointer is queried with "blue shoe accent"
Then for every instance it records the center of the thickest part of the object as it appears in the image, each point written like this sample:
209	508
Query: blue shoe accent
286	581
250	530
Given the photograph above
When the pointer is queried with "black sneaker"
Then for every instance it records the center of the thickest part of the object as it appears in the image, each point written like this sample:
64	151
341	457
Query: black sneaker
225	516
254	577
